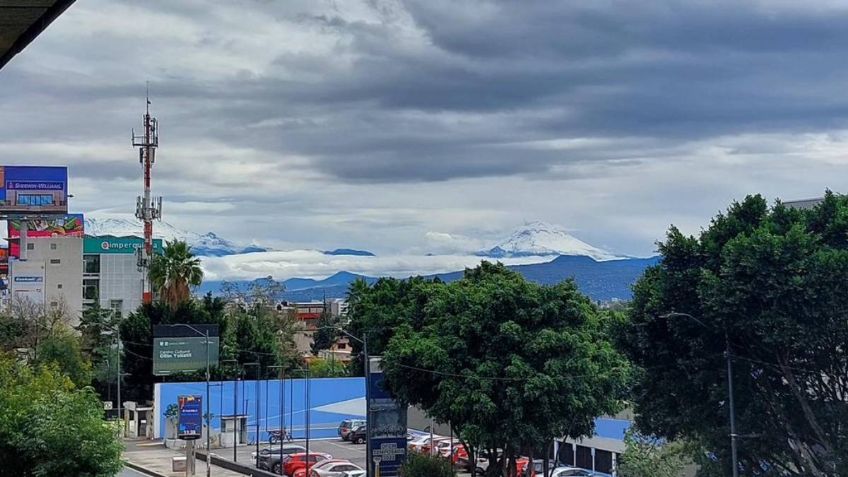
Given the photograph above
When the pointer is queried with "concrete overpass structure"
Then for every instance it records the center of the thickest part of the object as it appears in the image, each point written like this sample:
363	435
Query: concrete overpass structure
21	21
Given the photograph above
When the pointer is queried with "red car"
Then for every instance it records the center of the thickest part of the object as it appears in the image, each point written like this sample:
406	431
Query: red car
300	464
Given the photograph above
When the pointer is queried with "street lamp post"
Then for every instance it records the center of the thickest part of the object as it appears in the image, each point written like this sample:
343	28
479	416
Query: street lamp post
258	370
113	332
235	407
205	334
732	406
364	342
282	411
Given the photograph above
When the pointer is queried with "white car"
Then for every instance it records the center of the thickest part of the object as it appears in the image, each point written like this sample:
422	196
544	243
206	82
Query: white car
335	468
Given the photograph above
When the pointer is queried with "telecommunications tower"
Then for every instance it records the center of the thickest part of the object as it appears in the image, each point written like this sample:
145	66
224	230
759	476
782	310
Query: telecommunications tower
147	208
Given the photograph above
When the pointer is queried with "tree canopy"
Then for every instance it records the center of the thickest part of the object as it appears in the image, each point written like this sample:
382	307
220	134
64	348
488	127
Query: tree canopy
774	281
175	272
50	427
508	363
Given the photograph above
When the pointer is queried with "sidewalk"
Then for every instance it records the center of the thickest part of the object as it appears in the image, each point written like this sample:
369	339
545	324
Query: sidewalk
155	457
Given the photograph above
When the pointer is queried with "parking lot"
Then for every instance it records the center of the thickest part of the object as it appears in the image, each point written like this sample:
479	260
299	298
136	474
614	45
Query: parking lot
338	448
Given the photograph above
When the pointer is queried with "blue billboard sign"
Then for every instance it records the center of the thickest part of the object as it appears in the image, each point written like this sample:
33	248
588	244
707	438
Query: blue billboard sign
33	189
190	417
386	426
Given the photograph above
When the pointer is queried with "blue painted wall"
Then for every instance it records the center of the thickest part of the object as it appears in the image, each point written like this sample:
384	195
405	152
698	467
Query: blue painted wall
323	391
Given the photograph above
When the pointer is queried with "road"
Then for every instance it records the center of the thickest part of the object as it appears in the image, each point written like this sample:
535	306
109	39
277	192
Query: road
127	472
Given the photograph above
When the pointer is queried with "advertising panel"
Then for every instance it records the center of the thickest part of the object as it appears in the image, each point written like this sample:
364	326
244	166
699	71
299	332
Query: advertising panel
178	348
53	226
27	281
190	418
45	227
387	426
111	244
33	189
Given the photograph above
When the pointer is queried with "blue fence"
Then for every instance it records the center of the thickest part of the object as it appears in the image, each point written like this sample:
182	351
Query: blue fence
331	400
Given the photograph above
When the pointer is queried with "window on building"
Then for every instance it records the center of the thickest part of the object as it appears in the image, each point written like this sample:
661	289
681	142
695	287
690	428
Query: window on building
91	263
59	286
54	246
90	289
55	261
54	304
603	461
30	246
117	307
36	200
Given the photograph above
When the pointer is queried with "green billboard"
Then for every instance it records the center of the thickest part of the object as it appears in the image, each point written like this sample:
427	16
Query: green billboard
174	352
111	244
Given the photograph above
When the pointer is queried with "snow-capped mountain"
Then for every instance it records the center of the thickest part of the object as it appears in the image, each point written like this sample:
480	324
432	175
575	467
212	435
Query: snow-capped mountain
207	244
543	239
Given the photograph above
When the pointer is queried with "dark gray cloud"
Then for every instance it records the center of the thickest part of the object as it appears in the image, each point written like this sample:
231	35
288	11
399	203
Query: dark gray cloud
280	108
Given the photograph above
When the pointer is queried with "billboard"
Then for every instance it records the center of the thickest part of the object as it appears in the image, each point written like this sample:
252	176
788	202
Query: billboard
117	245
179	348
27	281
33	189
52	226
387	426
190	417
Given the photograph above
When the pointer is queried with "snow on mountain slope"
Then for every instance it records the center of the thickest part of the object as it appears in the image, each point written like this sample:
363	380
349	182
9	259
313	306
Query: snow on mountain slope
207	244
543	239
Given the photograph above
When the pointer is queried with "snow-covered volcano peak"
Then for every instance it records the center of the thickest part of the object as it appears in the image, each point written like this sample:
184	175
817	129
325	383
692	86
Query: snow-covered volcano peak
207	244
544	239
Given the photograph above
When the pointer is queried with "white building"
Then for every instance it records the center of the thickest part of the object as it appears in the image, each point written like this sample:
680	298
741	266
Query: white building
111	276
51	274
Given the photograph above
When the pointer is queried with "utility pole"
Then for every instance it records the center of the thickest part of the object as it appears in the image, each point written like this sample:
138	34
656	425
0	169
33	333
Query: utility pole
147	208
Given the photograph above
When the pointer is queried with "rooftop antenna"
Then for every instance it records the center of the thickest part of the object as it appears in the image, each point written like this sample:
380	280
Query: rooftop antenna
148	208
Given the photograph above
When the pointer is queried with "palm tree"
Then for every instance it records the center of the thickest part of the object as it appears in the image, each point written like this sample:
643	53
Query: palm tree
174	273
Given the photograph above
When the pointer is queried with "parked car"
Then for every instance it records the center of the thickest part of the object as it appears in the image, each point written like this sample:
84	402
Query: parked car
296	462
433	446
423	445
539	468
349	425
576	472
334	468
269	457
415	444
358	435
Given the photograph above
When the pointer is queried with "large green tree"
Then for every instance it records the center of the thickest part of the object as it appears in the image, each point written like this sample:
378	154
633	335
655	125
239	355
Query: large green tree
49	427
508	363
175	272
772	284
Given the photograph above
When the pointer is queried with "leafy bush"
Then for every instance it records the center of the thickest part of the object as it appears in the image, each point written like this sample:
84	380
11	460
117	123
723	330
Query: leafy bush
49	427
422	465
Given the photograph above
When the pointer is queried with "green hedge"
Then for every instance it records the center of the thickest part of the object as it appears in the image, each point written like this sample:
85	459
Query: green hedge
422	465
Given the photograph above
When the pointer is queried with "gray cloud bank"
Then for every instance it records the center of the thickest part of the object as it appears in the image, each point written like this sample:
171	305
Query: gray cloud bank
372	123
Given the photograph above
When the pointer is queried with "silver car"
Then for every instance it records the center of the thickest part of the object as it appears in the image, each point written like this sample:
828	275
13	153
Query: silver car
336	468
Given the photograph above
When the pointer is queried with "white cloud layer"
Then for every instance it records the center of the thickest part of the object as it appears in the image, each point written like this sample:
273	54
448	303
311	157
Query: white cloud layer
314	264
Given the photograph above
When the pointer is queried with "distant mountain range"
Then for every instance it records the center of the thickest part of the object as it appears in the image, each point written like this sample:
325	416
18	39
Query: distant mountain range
602	281
204	245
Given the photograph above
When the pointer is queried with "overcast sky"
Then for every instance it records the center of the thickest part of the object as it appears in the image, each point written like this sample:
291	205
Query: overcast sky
386	125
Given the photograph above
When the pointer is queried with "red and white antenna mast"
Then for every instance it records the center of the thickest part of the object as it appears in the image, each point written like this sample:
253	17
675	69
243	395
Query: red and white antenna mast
148	208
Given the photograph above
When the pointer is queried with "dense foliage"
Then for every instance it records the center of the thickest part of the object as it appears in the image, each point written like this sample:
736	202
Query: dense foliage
774	282
49	427
423	465
175	272
510	364
646	456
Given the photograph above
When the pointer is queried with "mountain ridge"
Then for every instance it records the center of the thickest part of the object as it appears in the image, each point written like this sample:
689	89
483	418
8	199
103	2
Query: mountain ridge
204	245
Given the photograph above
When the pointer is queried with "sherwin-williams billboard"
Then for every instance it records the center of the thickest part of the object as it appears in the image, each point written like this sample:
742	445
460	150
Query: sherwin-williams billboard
33	189
111	244
70	225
